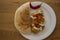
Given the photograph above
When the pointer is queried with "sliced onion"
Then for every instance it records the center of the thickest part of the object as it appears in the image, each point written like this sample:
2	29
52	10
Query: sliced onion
34	7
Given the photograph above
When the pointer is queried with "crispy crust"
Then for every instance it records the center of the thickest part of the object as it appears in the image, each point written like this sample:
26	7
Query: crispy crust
22	19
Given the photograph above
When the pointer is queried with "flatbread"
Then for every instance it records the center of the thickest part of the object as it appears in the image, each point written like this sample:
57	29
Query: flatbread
22	19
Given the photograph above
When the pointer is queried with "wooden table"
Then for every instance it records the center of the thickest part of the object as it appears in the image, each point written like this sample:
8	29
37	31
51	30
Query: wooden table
7	11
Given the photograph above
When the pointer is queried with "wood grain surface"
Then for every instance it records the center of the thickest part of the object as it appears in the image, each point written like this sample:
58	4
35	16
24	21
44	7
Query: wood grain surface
7	11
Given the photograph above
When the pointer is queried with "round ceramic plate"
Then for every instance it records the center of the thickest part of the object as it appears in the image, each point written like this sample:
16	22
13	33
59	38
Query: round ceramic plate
50	18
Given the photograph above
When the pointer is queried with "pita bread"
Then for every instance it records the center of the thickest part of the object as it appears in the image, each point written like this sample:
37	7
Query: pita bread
22	19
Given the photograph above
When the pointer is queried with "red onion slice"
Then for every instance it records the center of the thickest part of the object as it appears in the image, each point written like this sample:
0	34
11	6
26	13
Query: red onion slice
36	6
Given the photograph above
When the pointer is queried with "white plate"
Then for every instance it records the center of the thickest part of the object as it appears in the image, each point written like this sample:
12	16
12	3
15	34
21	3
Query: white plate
49	26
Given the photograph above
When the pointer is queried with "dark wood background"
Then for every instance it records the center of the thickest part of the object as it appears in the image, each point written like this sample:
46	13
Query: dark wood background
7	11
